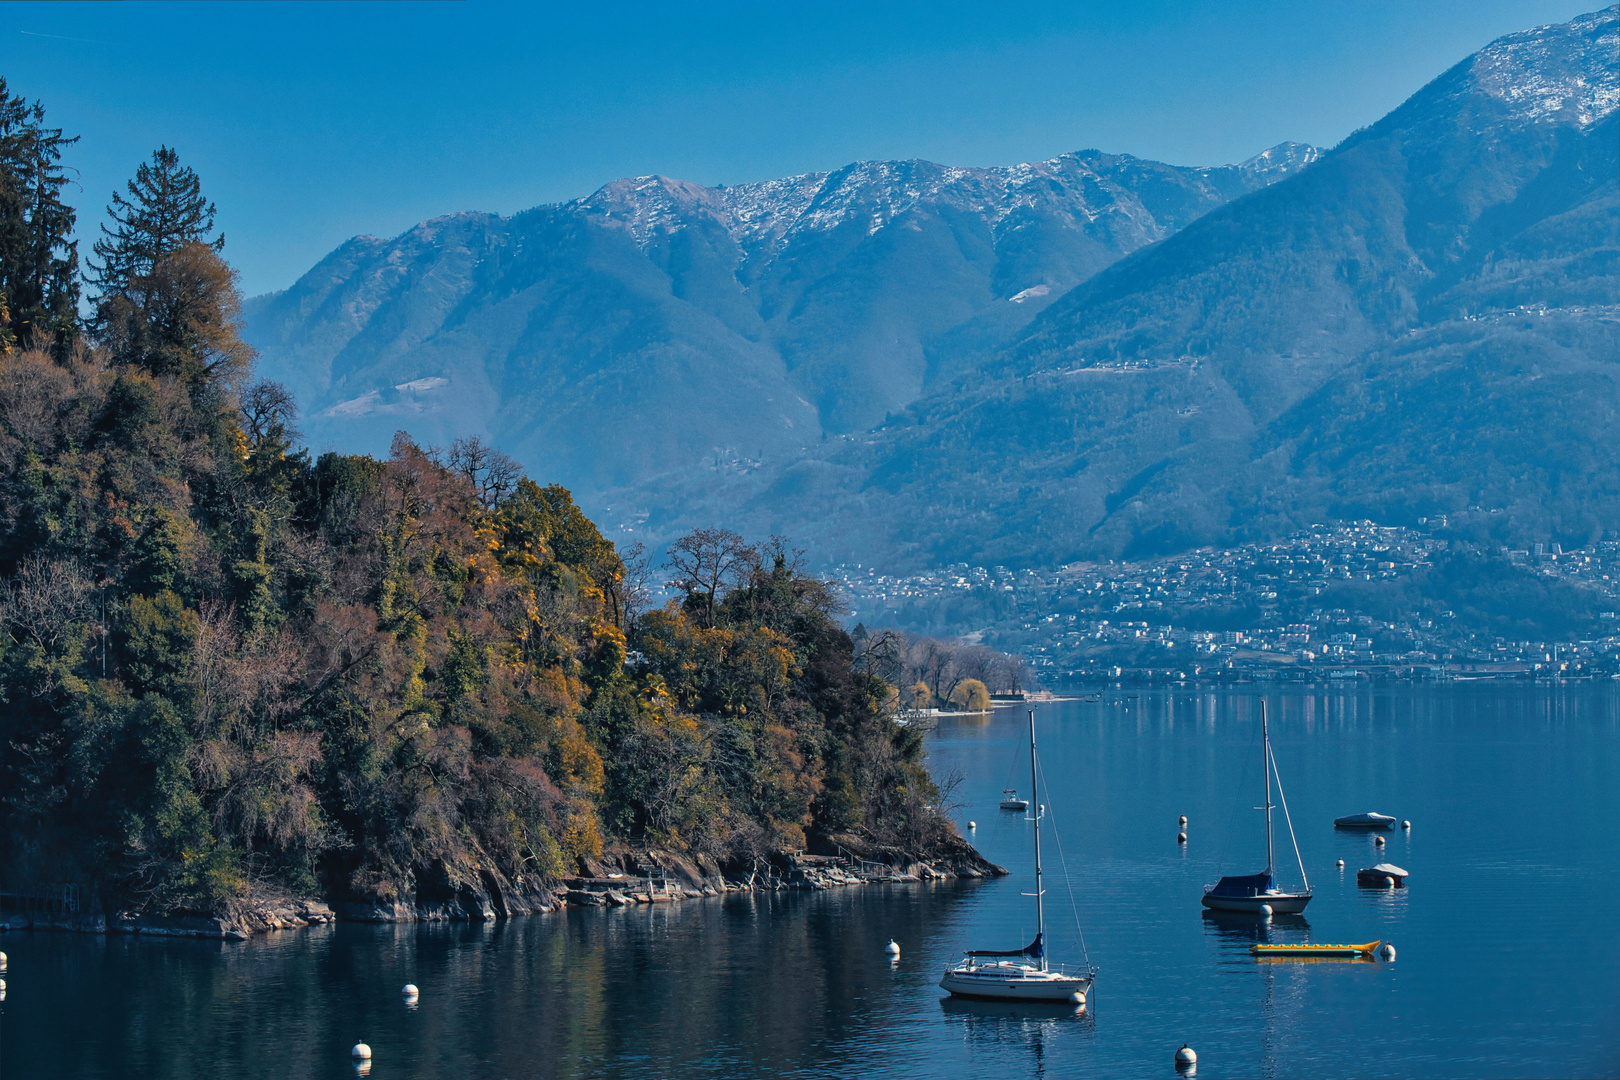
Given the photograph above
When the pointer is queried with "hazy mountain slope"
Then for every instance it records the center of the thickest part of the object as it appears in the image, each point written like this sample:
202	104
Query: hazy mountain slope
656	323
1347	342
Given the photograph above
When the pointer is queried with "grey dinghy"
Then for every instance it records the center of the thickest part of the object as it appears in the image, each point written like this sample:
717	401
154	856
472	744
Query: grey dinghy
1369	820
1019	974
1251	892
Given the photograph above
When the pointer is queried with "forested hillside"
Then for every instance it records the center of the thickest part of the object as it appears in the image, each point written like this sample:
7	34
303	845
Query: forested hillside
229	666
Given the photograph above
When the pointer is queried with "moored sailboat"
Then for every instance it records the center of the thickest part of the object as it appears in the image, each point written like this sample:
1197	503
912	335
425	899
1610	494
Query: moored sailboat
1019	974
1252	892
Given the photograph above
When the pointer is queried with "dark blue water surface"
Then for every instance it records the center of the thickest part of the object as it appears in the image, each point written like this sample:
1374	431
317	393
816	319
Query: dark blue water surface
1508	960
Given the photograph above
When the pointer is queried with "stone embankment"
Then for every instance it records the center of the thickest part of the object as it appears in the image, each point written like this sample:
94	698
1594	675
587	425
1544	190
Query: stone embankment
626	874
240	920
639	875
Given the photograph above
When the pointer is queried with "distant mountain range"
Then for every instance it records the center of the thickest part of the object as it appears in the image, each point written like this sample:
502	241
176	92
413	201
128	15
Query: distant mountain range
1090	357
658	323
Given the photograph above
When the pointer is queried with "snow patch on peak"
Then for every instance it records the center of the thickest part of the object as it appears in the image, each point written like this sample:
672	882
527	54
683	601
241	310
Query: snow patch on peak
650	206
1285	157
1561	73
760	217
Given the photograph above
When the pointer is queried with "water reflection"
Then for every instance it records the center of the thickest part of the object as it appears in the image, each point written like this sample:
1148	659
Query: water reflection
1247	928
1031	1030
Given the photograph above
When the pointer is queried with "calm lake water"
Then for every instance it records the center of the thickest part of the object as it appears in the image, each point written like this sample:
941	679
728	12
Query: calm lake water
1507	962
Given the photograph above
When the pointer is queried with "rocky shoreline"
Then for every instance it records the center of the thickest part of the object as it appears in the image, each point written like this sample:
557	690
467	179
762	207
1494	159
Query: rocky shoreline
626	874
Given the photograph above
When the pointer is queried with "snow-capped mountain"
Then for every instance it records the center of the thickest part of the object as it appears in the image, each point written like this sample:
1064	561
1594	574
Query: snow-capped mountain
657	323
764	218
1425	322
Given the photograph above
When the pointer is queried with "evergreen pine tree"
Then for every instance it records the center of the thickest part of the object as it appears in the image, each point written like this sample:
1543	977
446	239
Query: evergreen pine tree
39	264
167	301
165	210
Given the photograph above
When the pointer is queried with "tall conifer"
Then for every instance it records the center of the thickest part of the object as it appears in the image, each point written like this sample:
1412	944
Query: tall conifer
164	211
39	264
167	302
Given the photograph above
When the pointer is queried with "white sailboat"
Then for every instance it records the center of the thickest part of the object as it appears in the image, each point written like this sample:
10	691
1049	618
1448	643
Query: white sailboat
1019	974
1251	892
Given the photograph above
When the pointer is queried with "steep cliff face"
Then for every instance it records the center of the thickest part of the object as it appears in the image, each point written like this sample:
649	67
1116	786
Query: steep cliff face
658	324
1424	320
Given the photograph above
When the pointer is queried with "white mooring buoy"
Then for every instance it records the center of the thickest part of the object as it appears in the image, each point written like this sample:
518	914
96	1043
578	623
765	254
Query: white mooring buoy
2	961
1186	1055
1077	998
1182	821
1265	909
1387	952
891	949
972	825
1378	841
1181	838
1340	864
1406	824
361	1052
409	990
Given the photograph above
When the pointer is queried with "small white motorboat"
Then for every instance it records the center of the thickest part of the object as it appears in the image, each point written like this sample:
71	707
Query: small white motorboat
1369	820
1019	974
1011	801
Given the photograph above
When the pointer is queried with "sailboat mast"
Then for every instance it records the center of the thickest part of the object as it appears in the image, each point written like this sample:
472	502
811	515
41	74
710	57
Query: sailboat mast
1035	801
1265	740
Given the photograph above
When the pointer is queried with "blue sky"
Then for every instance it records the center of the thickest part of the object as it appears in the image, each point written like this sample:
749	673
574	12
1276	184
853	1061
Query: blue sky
313	122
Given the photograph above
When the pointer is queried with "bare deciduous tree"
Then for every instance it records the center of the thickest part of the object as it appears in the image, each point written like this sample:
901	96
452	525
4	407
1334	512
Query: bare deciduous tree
266	405
491	473
637	587
706	562
46	599
882	654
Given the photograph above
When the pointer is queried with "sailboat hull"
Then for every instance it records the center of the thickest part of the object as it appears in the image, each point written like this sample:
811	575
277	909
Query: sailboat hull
1014	982
1280	903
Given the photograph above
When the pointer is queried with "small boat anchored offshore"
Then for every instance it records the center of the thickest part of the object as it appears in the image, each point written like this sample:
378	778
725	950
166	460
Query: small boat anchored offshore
1254	892
1019	974
1382	876
1369	820
1011	801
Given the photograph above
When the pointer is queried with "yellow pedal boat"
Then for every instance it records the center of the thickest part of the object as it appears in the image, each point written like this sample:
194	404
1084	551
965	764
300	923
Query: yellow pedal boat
1316	950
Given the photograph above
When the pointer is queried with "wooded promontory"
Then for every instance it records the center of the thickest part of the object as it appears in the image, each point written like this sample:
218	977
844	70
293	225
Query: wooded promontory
232	670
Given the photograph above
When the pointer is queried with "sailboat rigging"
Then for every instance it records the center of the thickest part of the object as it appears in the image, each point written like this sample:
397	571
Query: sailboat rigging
1019	974
1251	892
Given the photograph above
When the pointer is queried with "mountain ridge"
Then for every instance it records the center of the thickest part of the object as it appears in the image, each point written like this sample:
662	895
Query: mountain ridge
769	315
1287	357
1417	322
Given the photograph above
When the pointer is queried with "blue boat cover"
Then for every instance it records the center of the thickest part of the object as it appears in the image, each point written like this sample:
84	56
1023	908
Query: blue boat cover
1034	949
1245	885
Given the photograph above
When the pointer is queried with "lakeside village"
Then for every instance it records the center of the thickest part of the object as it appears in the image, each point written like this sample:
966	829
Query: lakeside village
1355	601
